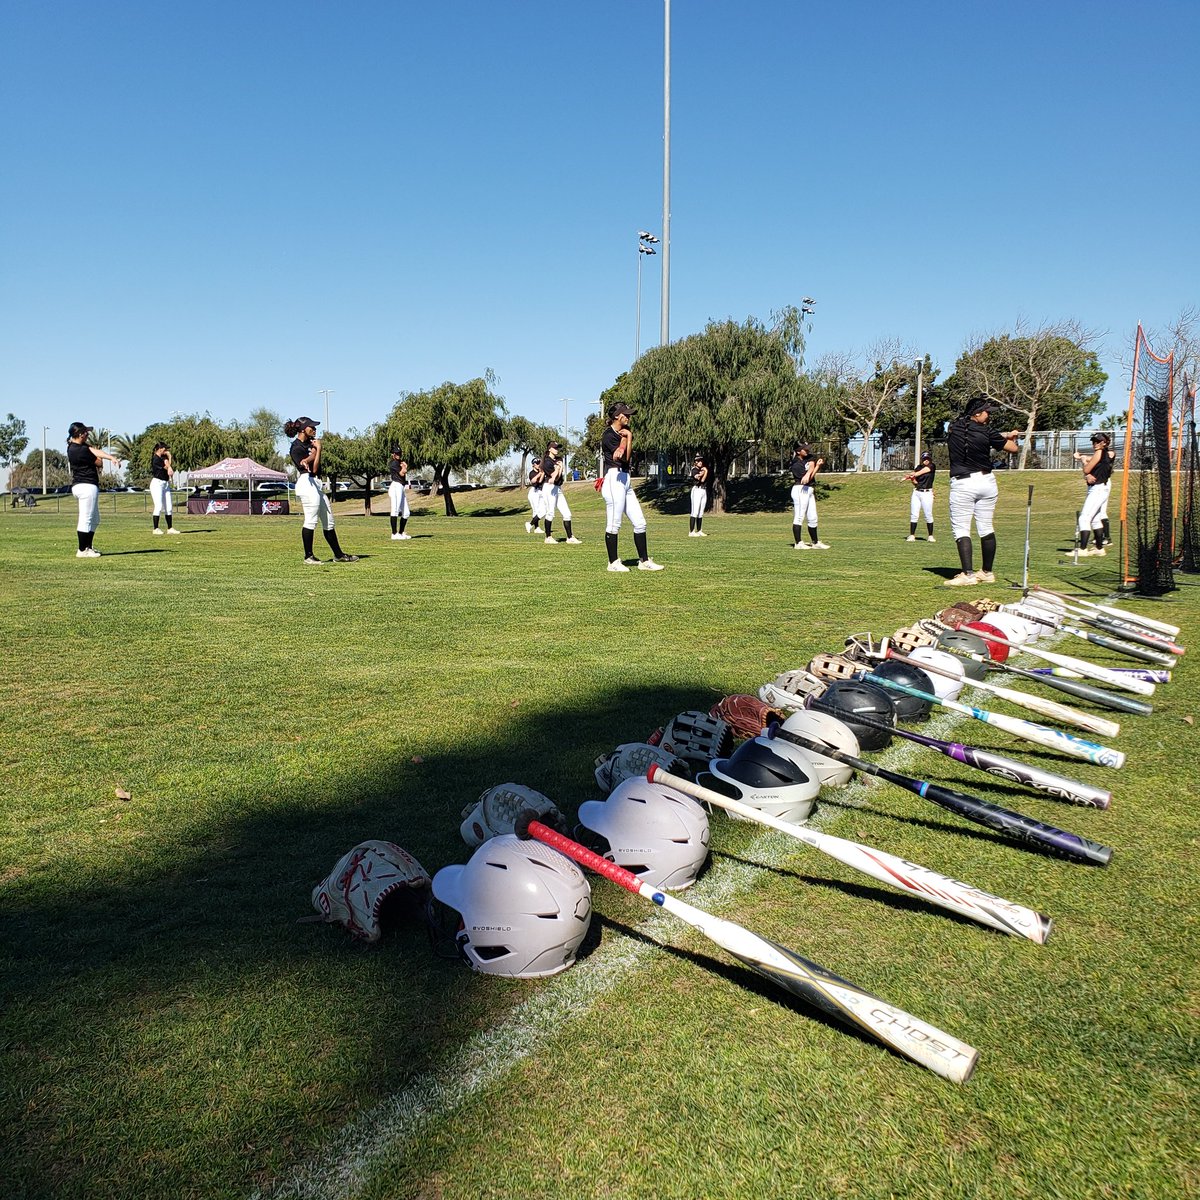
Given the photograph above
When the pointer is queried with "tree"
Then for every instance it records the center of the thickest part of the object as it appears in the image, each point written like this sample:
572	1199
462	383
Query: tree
712	392
29	473
452	427
877	396
1049	375
12	442
526	437
361	456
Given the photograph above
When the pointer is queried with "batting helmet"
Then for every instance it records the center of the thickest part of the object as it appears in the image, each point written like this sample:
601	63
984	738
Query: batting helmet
847	697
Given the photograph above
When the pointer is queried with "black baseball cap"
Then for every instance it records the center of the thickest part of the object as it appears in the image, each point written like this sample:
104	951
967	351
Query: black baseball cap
554	445
620	409
77	429
978	405
925	454
803	448
305	422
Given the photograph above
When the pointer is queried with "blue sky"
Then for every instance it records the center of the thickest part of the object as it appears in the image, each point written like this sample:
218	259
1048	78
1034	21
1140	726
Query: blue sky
221	205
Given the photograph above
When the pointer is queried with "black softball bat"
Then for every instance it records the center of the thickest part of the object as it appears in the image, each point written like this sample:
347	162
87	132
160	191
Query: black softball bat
1059	786
970	808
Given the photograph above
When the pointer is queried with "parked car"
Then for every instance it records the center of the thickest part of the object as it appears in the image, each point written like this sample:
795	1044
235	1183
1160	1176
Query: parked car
272	486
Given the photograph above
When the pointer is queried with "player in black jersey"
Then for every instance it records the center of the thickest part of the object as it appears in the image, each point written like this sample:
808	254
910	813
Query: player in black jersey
85	484
1097	473
398	495
921	503
305	452
616	444
161	467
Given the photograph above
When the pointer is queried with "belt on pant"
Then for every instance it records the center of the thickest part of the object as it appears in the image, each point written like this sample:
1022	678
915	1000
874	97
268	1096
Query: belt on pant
971	474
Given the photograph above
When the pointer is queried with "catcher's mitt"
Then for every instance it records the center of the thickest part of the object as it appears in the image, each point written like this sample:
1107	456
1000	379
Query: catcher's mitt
746	716
497	810
355	891
634	759
955	617
697	737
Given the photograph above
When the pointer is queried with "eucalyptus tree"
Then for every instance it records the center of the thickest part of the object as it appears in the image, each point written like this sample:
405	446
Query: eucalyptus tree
452	427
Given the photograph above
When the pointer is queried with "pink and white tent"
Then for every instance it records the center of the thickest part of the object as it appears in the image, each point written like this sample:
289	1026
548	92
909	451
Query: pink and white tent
239	468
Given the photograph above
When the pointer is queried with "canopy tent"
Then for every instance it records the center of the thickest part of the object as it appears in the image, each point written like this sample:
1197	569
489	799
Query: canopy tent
238	468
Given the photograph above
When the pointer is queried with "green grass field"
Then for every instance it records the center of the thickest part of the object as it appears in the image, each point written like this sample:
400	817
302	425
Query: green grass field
170	1029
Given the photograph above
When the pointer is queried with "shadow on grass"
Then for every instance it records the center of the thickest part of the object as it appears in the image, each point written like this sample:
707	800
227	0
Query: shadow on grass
159	965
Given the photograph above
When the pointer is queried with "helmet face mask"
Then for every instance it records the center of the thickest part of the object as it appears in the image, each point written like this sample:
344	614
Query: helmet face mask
758	774
524	907
652	830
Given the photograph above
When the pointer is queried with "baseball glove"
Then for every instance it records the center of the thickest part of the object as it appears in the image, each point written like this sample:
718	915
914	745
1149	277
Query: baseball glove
790	689
697	737
911	638
355	892
746	716
834	666
497	810
632	760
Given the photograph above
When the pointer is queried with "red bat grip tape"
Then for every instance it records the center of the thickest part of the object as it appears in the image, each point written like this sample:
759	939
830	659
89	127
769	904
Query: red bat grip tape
585	857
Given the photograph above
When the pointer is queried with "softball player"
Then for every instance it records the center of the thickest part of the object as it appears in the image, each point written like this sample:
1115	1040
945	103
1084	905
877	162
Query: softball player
1097	471
616	445
534	495
973	490
699	497
306	454
921	503
160	486
398	496
552	497
85	484
804	470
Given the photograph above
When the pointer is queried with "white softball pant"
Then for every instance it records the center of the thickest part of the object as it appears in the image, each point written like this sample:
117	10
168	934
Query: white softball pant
620	501
397	500
1092	513
920	505
973	497
88	495
160	493
699	500
314	502
535	502
804	504
553	498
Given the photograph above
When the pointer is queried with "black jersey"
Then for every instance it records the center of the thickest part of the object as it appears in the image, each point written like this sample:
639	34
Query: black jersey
552	469
83	464
299	452
924	483
971	446
398	475
803	468
1102	471
610	443
158	467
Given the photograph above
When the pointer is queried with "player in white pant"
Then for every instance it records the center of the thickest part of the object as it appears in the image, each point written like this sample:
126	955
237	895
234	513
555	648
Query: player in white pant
553	471
616	446
921	503
973	490
85	485
305	452
161	467
1097	472
398	496
804	470
699	497
534	495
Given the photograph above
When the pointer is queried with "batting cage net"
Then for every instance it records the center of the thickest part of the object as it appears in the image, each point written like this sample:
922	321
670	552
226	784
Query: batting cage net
1147	494
1187	541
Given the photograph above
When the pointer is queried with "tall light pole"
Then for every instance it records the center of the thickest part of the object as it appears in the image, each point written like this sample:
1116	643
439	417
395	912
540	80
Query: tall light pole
920	387
664	331
646	244
326	392
44	429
